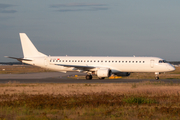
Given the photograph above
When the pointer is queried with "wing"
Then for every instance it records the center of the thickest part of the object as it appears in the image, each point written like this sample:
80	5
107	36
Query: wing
78	67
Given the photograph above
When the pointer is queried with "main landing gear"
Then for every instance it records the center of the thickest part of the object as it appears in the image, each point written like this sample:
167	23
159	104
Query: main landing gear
157	75
88	77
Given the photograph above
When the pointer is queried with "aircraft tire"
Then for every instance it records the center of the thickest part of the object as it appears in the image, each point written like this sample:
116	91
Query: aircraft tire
157	78
88	77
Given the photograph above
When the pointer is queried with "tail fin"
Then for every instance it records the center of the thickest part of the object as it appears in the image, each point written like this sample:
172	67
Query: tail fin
29	50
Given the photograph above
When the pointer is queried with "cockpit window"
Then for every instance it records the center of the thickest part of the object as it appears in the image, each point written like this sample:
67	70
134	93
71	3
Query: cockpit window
162	61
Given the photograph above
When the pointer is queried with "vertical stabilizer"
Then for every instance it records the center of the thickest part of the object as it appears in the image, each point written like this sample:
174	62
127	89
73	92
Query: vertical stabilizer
29	50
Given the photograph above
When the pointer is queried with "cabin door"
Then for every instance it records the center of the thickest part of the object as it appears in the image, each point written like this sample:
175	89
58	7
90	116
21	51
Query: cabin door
45	61
151	63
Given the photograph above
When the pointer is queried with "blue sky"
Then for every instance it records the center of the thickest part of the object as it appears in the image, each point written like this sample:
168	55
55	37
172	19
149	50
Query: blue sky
92	28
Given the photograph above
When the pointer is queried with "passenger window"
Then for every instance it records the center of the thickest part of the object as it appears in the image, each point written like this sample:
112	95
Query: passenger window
132	61
129	61
139	61
119	61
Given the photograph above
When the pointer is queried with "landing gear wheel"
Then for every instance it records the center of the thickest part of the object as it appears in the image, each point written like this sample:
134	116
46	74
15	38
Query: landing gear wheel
88	77
157	78
157	75
102	78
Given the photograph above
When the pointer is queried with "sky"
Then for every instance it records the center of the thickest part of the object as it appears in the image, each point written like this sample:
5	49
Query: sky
92	28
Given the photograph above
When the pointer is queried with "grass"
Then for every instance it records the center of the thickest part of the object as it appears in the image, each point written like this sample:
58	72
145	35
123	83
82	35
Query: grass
127	101
138	100
125	88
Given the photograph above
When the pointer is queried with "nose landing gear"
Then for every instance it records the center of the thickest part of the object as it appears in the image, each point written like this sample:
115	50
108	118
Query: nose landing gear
157	75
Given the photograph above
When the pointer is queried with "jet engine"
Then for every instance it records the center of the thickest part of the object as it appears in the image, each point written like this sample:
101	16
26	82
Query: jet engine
101	73
122	74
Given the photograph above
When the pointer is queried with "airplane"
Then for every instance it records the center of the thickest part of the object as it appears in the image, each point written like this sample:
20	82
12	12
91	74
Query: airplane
102	67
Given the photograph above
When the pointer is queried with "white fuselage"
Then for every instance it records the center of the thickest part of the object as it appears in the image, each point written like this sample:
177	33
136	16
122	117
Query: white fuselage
100	66
116	64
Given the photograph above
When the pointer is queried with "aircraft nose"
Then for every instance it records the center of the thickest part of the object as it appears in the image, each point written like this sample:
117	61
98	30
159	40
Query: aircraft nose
171	68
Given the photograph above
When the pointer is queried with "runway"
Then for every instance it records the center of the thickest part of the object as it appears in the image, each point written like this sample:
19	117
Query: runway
56	77
52	80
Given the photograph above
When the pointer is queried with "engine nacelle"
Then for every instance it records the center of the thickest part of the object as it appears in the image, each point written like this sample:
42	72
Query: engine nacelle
122	74
106	72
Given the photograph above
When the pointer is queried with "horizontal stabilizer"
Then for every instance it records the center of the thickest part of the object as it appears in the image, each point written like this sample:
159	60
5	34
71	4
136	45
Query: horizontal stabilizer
19	59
